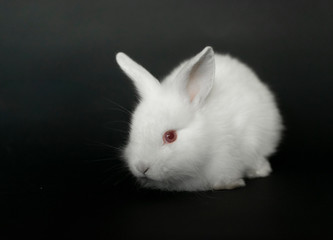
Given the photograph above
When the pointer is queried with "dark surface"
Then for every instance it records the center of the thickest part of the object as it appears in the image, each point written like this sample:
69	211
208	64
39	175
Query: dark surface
279	207
61	126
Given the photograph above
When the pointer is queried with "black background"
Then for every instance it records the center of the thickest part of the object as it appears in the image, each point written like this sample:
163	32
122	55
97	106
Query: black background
62	118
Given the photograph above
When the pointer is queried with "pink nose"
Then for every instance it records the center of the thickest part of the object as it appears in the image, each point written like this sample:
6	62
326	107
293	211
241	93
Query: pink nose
142	168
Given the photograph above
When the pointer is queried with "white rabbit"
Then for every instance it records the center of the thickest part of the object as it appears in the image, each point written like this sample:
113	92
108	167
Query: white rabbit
207	125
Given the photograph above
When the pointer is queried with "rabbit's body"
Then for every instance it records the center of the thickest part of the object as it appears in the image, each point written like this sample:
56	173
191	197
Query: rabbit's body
225	131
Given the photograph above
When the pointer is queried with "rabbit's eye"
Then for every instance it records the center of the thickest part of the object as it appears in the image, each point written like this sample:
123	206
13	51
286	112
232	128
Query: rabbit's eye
169	136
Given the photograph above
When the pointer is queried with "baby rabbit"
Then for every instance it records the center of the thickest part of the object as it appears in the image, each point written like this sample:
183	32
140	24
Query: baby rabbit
206	126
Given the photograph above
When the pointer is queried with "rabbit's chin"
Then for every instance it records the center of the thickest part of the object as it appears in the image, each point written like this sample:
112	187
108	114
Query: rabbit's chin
170	184
149	183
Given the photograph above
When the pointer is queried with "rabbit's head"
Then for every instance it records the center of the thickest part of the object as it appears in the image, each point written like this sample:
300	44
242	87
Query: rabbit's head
168	142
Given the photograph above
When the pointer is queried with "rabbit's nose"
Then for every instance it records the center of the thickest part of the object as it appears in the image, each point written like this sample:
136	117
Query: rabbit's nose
142	168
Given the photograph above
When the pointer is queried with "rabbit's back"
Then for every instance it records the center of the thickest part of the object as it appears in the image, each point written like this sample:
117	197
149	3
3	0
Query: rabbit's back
242	107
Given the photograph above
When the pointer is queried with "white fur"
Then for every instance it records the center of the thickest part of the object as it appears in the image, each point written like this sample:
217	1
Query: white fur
227	124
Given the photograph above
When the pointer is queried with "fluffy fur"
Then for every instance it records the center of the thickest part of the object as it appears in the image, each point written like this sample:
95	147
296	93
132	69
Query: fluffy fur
227	124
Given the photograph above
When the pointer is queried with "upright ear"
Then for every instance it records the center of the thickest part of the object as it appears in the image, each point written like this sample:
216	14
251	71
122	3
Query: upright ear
144	82
198	75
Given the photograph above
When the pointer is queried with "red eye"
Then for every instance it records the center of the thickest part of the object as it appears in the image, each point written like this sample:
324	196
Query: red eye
169	136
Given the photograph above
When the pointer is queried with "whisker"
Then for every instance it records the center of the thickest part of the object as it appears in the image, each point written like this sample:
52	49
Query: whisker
117	121
113	147
117	130
107	178
123	178
115	167
101	159
118	105
120	110
100	144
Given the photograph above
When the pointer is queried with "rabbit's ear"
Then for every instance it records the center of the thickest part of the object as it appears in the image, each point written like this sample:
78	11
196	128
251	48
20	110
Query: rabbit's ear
144	82
198	75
